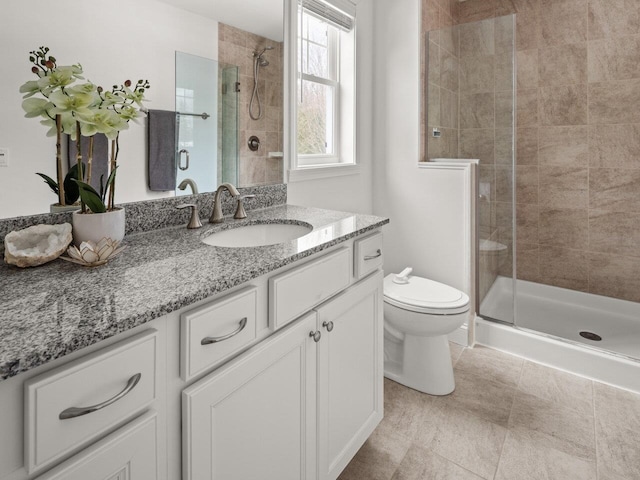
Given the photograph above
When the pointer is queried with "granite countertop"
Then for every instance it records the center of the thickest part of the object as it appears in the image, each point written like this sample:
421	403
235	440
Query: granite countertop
58	308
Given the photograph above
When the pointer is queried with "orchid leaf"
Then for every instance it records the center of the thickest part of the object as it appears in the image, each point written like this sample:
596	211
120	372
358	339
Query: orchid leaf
53	185
110	181
90	197
71	190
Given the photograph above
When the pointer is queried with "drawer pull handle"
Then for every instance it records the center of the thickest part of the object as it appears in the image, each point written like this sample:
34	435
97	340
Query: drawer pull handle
73	412
328	326
210	340
371	257
315	335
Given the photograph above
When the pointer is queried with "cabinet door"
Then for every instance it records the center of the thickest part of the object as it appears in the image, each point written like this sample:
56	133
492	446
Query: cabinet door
129	453
350	369
254	418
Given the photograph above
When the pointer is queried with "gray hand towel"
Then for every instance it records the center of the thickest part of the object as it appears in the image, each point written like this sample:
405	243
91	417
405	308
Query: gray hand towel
100	161
161	137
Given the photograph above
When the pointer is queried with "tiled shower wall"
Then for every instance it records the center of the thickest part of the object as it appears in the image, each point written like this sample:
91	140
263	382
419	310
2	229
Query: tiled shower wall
578	140
236	47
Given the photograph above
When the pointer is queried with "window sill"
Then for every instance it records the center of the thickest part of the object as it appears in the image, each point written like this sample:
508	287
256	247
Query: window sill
311	173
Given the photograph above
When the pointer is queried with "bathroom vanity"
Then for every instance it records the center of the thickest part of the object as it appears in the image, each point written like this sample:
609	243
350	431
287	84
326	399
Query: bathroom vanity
200	362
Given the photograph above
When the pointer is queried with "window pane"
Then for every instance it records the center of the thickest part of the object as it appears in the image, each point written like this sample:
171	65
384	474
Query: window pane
315	119
316	30
317	61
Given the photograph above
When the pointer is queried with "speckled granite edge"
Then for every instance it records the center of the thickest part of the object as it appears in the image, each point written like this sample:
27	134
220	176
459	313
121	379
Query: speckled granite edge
154	214
46	316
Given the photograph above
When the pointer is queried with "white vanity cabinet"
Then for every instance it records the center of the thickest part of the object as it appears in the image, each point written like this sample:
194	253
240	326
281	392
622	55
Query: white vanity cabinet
300	404
350	373
254	418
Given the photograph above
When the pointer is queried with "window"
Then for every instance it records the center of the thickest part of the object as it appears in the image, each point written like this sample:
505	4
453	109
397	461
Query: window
325	84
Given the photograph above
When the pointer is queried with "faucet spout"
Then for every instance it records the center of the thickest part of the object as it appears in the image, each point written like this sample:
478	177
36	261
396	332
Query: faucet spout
188	182
216	216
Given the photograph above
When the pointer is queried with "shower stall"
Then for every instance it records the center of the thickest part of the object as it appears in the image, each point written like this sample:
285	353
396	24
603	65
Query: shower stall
558	251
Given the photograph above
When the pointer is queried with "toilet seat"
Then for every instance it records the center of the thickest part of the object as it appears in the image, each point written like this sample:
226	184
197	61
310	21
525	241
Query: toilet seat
422	295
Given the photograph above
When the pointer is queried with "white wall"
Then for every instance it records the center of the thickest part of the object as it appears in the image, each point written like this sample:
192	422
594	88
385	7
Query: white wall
351	192
427	224
113	41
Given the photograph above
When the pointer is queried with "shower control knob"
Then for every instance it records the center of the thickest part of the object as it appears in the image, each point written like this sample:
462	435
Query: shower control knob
328	326
315	335
254	143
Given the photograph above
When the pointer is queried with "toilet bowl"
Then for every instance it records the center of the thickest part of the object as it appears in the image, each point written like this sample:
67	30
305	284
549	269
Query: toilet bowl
418	315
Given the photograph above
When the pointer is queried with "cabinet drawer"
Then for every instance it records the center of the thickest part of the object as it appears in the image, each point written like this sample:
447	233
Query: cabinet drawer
216	330
128	453
299	290
71	406
367	256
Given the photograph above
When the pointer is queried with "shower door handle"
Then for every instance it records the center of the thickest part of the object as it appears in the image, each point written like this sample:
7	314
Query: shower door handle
185	151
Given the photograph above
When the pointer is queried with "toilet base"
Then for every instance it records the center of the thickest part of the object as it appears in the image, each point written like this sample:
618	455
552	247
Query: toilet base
426	365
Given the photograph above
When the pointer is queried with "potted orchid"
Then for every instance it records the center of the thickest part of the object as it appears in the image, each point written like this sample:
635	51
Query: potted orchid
83	110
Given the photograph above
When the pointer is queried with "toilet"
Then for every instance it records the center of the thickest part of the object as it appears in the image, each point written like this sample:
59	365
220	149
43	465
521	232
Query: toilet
418	315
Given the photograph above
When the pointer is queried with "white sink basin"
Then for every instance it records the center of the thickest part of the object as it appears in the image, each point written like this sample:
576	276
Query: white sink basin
257	235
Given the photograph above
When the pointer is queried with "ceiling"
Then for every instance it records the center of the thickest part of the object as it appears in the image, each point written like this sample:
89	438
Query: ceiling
262	17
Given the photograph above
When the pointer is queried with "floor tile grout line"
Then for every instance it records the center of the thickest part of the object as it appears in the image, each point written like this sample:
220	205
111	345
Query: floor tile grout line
508	429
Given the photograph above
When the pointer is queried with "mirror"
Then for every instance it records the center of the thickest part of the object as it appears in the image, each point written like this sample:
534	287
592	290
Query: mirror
132	40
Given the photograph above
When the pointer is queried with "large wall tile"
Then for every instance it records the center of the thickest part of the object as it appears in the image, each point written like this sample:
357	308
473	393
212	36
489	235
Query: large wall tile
475	10
563	105
567	146
477	110
527	226
527	61
433	99
612	146
614	189
448	108
449	68
528	264
434	64
430	15
504	184
477	143
504	72
527	153
562	22
614	276
527	184
564	228
614	102
504	146
564	267
564	187
613	17
527	107
477	39
449	40
504	34
527	25
564	65
504	110
614	58
477	74
614	232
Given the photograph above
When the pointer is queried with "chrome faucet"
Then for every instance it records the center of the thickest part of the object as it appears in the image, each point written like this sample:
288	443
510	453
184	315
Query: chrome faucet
189	182
216	216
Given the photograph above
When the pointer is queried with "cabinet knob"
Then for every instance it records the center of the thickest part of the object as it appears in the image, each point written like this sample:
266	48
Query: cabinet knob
328	326
315	335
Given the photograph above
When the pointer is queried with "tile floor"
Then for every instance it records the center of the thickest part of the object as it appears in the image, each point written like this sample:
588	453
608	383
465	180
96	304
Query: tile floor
508	419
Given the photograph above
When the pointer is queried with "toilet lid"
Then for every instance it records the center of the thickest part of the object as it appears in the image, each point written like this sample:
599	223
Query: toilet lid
425	296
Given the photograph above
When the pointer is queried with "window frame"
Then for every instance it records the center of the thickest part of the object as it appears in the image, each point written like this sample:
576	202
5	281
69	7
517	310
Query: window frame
343	159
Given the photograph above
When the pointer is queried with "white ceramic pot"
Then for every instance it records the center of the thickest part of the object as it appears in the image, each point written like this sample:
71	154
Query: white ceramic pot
96	226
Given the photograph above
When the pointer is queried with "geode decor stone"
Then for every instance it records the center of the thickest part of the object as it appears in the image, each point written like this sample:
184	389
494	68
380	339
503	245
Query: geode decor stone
36	245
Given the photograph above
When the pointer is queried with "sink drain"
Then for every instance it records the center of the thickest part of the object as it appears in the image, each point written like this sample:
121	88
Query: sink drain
591	336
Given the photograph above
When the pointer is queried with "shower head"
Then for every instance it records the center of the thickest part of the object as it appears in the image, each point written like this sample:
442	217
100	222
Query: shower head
263	62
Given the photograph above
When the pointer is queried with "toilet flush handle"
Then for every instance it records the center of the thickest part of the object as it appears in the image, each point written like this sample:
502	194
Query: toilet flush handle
403	277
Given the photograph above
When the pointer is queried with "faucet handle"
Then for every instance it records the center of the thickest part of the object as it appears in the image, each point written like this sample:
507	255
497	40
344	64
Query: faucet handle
194	222
240	212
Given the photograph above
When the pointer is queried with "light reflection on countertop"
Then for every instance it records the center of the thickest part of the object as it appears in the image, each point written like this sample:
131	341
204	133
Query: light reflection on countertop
53	310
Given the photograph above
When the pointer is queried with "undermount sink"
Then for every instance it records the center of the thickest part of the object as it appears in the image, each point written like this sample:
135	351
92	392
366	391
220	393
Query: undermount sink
257	235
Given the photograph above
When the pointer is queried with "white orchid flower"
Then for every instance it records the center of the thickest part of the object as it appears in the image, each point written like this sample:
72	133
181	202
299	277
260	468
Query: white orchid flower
78	103
30	88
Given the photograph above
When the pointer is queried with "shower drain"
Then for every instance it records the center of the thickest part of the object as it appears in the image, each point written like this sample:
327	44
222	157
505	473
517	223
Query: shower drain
591	336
